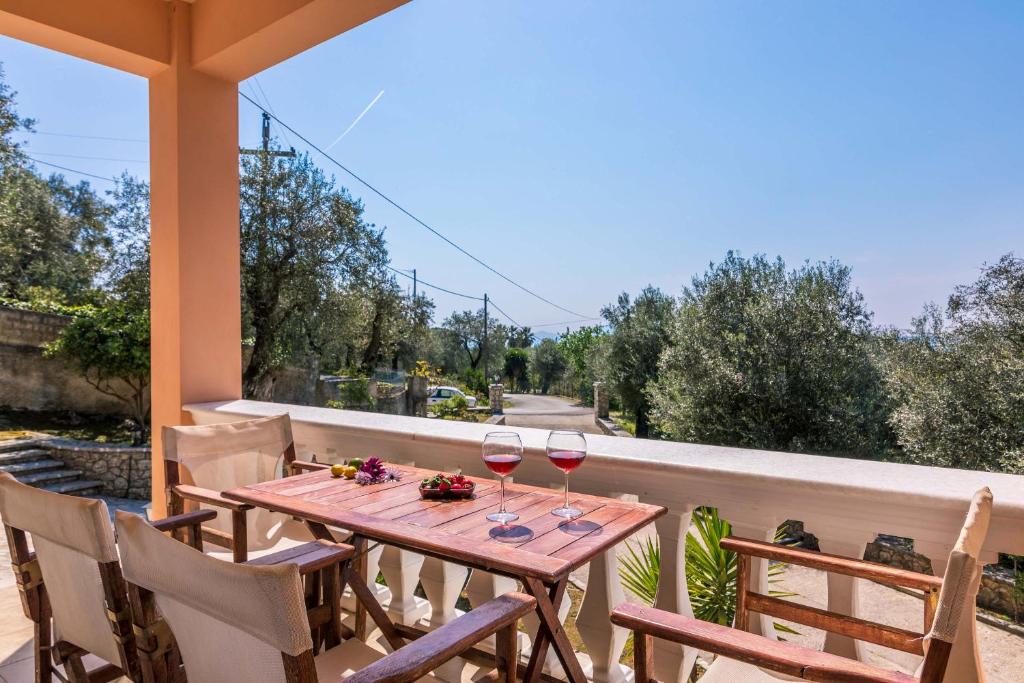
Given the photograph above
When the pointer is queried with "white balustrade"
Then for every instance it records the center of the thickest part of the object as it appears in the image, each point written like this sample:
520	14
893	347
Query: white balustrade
844	502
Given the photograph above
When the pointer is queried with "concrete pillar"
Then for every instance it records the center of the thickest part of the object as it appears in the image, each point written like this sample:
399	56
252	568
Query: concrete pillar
195	301
600	400
495	395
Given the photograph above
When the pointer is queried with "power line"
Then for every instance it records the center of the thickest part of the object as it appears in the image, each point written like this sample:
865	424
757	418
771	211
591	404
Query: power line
566	322
86	137
406	212
91	158
71	170
492	302
269	106
424	282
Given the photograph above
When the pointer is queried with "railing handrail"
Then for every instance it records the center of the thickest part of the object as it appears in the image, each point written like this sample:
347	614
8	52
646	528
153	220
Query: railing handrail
913	500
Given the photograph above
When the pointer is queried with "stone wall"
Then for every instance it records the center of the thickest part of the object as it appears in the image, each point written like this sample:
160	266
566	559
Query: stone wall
30	381
125	471
995	593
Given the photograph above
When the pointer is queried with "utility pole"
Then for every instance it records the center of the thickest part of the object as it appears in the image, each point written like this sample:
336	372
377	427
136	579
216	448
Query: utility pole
266	151
414	285
487	375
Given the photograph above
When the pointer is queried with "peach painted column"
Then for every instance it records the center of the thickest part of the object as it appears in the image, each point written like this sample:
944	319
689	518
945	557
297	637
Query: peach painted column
195	300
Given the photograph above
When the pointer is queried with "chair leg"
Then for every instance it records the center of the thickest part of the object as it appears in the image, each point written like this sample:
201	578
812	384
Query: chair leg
643	657
42	644
506	654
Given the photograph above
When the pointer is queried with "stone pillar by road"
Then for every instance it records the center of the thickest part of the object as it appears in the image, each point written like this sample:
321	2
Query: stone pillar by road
600	400
495	394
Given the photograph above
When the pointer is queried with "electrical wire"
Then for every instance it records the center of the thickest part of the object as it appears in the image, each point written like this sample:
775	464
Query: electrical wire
408	213
86	137
491	302
72	170
91	158
566	322
427	284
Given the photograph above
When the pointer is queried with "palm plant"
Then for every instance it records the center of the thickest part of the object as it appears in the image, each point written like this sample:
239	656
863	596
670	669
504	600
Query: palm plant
710	571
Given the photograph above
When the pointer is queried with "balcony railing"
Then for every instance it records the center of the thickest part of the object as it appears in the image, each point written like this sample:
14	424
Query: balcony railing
844	502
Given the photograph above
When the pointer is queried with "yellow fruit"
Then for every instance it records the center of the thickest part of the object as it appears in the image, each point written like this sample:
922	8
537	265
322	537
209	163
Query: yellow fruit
349	472
338	470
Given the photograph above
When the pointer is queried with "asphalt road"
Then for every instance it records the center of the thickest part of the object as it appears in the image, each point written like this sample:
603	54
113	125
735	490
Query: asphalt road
549	412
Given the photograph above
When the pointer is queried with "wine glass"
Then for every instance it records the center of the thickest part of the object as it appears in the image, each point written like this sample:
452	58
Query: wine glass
502	452
566	451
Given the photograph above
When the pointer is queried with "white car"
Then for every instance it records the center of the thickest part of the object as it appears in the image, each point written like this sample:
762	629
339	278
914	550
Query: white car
437	395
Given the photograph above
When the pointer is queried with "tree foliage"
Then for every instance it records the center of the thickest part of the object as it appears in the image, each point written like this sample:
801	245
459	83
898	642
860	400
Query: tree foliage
639	334
303	240
579	348
958	377
517	363
109	346
549	364
768	358
465	332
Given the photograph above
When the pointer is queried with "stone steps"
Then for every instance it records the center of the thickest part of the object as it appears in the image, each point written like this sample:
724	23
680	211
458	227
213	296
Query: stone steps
32	464
20	456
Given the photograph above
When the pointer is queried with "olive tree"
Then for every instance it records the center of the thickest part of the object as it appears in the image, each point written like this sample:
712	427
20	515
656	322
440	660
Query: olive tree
958	376
771	358
639	334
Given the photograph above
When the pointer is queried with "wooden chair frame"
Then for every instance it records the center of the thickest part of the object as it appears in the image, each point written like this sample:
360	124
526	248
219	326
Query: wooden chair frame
179	495
787	658
408	662
29	579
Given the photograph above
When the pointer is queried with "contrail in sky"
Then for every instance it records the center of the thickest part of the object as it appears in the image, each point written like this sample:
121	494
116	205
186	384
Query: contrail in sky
358	118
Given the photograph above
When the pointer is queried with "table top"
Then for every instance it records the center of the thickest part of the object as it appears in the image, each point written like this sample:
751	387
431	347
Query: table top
538	544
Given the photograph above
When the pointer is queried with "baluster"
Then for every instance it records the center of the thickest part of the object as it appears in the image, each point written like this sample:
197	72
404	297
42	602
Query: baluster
603	640
442	582
763	530
484	586
401	569
964	659
843	594
672	662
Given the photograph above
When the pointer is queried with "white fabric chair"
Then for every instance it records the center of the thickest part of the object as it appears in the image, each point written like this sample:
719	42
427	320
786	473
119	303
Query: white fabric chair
74	577
212	459
241	622
767	661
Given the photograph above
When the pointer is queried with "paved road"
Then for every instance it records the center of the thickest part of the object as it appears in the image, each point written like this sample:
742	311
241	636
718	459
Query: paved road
549	412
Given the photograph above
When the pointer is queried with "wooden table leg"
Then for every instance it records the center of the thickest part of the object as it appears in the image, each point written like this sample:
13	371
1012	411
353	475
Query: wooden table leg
550	632
367	601
358	568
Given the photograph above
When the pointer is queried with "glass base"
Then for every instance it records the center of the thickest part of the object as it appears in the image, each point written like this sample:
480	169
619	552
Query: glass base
503	517
567	512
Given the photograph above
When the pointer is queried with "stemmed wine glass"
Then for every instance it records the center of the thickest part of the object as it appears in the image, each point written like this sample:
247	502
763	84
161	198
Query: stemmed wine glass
502	452
566	451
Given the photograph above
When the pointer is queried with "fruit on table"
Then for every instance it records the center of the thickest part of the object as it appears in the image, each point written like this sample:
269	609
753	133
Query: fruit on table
355	462
337	470
349	472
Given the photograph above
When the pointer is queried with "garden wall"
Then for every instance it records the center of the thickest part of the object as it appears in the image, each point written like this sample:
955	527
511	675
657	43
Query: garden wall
32	382
125	471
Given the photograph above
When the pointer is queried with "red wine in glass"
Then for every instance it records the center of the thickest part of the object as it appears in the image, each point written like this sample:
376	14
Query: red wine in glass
567	461
566	451
502	452
502	464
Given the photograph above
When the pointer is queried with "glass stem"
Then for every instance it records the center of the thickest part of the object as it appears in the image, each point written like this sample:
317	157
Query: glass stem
566	490
501	508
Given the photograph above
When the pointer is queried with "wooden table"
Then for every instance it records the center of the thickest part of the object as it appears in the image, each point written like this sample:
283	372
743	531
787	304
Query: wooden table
539	549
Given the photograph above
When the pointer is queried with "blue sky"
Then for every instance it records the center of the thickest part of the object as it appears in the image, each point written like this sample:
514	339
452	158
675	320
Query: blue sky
587	148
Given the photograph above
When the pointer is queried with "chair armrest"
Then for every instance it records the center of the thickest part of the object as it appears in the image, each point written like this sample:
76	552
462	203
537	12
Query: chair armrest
425	654
732	643
310	557
208	496
837	564
182	521
302	465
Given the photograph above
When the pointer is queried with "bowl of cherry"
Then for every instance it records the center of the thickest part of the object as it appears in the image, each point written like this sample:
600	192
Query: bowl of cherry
443	485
